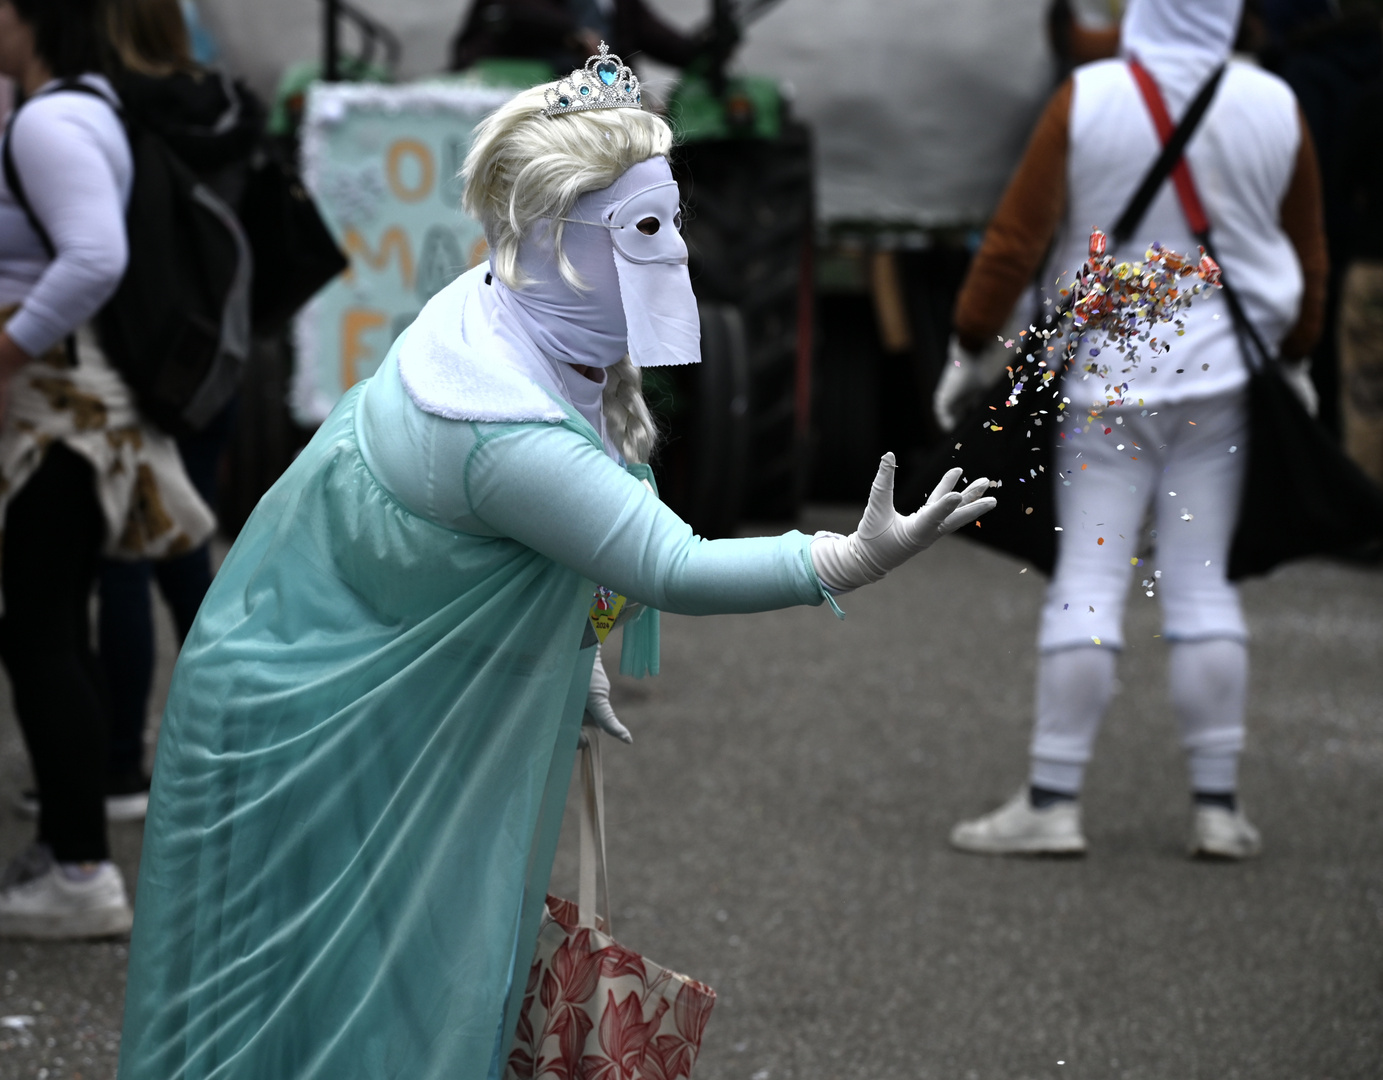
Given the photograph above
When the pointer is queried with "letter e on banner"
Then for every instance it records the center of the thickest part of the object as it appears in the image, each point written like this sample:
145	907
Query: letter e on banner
355	323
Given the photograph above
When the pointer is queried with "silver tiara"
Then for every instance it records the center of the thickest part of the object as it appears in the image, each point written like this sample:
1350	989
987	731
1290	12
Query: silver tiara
604	83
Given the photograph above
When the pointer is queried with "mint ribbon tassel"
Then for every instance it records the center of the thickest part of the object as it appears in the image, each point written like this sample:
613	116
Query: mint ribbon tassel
639	652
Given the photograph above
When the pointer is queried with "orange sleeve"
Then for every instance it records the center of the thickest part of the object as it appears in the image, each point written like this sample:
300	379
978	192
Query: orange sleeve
1090	45
1020	231
1303	220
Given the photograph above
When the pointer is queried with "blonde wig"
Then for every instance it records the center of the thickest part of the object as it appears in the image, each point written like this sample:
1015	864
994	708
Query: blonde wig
523	168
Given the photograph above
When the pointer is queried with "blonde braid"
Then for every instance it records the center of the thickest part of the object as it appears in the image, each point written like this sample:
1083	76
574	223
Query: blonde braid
630	424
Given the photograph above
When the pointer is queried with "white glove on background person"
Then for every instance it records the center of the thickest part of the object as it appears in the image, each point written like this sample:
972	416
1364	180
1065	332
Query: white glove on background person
885	538
963	378
598	712
1297	375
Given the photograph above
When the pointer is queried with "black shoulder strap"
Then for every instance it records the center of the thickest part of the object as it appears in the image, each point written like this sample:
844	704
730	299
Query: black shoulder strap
16	185
1249	338
12	179
1166	161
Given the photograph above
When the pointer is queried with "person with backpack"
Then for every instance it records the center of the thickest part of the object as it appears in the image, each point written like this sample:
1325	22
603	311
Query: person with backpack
1174	442
81	472
214	126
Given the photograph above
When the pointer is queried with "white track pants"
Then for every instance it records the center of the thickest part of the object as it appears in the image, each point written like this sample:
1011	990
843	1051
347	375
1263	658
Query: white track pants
1185	464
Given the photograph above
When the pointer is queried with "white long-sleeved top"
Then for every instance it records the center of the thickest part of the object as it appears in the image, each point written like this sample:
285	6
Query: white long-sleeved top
74	161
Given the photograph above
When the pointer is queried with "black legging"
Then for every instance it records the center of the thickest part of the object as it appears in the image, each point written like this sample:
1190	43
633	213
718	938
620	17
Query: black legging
125	626
53	533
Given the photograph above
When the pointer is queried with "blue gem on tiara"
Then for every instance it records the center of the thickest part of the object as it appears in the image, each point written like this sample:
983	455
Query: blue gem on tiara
604	83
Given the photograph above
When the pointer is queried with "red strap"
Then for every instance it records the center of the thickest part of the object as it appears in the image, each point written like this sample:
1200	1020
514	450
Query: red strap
1181	173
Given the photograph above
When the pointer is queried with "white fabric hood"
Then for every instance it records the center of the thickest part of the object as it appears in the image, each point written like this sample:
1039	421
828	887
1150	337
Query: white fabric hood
465	359
1180	41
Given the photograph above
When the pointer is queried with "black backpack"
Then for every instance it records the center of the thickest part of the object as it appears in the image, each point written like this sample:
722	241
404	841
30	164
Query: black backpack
178	326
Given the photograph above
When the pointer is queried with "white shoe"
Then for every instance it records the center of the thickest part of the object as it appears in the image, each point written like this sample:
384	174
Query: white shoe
1016	828
1218	833
51	906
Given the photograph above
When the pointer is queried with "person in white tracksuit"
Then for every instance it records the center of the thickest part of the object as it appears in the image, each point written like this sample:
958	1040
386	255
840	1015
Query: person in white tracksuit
1173	445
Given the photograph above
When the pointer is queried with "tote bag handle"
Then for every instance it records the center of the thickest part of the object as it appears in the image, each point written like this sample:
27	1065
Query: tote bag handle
592	857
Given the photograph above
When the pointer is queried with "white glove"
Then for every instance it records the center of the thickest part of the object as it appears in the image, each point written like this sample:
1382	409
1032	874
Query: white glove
964	377
1297	375
598	712
885	538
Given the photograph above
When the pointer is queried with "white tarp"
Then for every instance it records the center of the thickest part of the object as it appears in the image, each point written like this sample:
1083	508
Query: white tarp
921	107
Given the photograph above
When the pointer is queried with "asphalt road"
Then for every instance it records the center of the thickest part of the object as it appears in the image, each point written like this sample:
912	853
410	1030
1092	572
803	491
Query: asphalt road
778	831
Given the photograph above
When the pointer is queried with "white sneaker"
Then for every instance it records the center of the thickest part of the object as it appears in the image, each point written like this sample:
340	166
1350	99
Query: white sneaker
1016	828
1218	833
34	861
51	906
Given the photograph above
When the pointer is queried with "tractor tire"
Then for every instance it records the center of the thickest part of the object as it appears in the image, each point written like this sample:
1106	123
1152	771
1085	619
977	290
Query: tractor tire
265	438
749	227
703	409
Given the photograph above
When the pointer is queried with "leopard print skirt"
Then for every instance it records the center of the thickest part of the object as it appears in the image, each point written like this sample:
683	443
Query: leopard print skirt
151	509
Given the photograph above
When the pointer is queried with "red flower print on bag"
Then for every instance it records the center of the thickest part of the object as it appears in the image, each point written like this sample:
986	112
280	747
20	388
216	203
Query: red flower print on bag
594	1010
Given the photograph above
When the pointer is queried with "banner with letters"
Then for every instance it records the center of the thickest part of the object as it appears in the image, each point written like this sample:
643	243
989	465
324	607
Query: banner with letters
383	165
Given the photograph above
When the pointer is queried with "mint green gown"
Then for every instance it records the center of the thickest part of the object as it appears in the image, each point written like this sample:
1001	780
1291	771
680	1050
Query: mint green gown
367	744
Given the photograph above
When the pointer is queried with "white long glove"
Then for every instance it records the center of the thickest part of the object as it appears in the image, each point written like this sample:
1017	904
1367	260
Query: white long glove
886	539
964	377
1297	375
599	713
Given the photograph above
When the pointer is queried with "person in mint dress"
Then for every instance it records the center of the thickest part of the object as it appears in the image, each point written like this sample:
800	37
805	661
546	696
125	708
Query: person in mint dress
368	740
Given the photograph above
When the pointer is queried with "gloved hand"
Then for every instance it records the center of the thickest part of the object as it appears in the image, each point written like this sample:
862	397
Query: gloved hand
964	377
598	712
885	538
1297	375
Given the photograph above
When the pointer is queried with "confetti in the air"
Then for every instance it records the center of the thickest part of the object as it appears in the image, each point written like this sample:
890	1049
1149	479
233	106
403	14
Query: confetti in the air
1114	307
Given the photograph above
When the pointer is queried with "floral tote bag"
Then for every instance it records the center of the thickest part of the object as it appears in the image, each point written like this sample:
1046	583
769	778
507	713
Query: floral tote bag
592	1009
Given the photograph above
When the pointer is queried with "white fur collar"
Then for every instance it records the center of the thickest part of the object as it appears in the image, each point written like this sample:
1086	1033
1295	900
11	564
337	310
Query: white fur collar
462	361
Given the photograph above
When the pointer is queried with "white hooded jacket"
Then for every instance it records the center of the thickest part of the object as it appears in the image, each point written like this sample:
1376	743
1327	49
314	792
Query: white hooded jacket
1242	158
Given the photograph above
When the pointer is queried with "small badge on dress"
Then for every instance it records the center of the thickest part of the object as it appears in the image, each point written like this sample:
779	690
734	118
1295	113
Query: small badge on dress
605	609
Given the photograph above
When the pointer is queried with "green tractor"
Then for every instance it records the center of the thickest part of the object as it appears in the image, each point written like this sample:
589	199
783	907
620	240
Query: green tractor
737	424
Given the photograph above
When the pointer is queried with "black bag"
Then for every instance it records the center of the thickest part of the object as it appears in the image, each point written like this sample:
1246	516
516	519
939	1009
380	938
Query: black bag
1302	494
1012	444
178	326
294	253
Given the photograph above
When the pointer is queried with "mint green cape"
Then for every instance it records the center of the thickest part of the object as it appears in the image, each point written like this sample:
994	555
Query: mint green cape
365	756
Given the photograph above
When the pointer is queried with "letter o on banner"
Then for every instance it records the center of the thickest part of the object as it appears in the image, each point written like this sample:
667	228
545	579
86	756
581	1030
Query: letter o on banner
421	183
